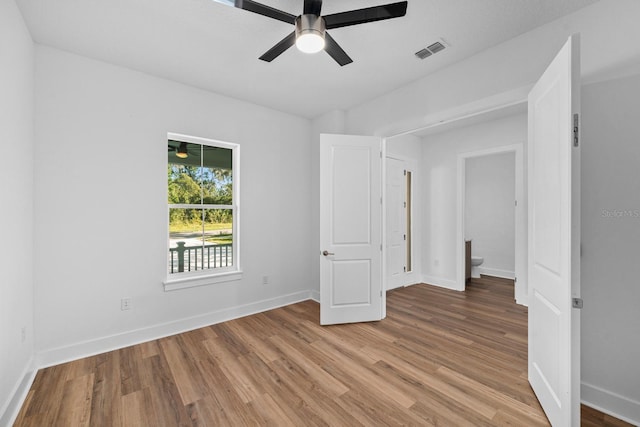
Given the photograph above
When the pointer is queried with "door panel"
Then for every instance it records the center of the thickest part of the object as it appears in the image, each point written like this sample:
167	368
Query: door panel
350	229
351	207
350	282
553	217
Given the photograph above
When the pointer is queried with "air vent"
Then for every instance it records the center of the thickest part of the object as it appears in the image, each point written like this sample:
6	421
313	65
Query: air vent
423	53
431	49
436	47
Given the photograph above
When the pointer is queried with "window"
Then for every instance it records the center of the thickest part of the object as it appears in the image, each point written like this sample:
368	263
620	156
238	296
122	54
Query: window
202	190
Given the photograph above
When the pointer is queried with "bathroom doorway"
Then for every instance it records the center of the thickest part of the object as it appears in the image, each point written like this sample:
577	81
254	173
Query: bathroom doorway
491	215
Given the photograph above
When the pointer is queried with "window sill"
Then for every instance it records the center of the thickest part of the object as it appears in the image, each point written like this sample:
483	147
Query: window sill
194	281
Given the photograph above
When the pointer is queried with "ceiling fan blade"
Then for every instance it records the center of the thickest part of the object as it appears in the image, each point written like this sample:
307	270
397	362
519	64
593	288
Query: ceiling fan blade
369	14
279	48
335	51
312	7
264	10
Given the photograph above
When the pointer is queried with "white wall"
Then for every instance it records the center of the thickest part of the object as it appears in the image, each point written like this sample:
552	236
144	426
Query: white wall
16	213
101	214
610	269
439	188
490	211
404	147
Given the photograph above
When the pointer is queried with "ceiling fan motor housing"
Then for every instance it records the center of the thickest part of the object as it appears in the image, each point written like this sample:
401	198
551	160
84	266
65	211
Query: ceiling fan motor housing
310	30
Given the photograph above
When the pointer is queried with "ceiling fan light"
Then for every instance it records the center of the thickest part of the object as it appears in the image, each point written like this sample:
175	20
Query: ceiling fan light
310	43
310	33
181	152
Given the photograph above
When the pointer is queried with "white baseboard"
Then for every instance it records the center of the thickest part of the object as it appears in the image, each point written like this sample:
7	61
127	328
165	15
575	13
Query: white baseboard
88	348
522	301
610	403
441	282
405	285
394	286
11	409
496	272
315	295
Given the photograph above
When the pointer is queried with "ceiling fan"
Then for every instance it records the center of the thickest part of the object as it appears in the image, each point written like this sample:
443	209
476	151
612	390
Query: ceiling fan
310	33
181	149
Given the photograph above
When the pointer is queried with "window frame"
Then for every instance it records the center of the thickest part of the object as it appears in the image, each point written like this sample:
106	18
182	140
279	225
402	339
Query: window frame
190	279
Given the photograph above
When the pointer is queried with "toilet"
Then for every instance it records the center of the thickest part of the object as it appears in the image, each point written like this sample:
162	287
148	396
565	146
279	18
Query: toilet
476	261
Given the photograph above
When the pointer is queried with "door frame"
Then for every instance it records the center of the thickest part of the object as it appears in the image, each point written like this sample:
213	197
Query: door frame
410	165
520	267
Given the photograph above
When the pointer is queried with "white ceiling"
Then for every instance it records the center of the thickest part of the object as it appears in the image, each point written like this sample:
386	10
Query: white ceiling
216	47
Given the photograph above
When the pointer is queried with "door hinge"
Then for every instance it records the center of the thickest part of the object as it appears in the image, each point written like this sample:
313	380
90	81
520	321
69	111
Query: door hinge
405	172
516	203
577	302
405	269
515	280
576	127
380	294
380	248
405	204
404	236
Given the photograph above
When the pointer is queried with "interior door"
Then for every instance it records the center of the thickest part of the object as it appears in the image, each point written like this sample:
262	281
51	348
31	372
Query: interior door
395	223
350	229
554	237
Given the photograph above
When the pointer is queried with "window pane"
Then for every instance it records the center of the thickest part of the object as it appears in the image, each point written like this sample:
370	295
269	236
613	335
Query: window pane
184	173
185	240
217	176
195	244
218	230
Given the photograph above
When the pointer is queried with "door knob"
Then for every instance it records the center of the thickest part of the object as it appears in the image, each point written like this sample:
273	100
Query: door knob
327	253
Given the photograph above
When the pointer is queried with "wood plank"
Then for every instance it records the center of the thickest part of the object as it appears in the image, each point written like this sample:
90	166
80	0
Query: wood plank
310	367
135	409
79	391
166	402
184	370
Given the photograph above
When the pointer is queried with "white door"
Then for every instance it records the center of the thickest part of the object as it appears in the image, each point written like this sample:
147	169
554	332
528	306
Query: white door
395	219
350	229
554	238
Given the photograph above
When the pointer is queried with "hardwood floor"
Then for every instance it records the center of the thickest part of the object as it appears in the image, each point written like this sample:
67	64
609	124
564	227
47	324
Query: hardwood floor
439	358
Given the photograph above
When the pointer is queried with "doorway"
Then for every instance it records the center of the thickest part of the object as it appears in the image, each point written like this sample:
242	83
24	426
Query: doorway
495	219
399	203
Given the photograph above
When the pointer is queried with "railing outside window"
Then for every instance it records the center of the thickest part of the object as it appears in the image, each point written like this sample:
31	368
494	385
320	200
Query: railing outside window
201	257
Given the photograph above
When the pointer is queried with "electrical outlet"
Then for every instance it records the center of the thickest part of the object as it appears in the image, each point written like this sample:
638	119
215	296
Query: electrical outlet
126	304
265	280
23	333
